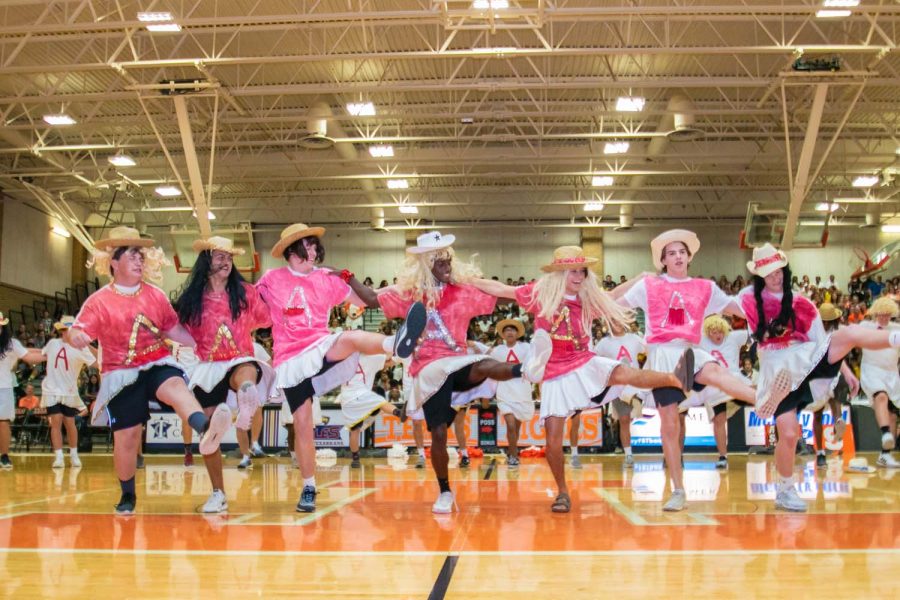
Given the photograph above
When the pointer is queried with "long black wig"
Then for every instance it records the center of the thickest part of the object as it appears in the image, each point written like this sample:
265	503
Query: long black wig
189	305
777	326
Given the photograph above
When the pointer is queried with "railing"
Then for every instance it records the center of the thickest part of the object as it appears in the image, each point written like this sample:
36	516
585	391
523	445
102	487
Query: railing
68	301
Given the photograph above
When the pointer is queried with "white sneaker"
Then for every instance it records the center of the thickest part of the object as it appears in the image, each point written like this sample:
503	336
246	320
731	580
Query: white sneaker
541	348
575	463
58	462
629	461
216	503
74	461
445	504
245	463
247	404
787	499
676	501
887	441
218	426
887	461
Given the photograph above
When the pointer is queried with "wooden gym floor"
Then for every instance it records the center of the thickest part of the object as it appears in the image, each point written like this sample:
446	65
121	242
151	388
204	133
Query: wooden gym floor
374	535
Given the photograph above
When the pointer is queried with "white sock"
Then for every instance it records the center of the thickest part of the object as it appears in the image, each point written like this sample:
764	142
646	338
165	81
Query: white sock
72	451
820	452
293	454
894	339
388	344
627	450
247	456
257	447
785	482
59	453
574	450
464	451
309	481
422	452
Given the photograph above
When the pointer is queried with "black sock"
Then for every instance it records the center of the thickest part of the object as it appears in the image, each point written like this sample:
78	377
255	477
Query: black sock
187	448
722	457
517	370
396	412
885	429
354	455
127	486
198	422
6	456
444	485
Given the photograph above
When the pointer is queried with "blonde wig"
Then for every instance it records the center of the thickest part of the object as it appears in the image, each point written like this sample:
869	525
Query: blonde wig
416	281
715	323
884	306
154	260
550	290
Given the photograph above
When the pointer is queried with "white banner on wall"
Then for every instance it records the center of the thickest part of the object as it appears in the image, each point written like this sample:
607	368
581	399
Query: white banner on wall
755	428
699	430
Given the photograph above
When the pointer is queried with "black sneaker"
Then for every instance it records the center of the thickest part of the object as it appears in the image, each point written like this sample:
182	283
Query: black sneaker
464	461
821	463
408	335
307	501
140	462
5	463
402	415
126	504
355	464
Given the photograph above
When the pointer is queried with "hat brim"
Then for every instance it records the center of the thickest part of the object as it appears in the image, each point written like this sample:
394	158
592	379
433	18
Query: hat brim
766	270
203	245
446	242
60	326
552	267
124	242
688	238
511	323
837	314
278	249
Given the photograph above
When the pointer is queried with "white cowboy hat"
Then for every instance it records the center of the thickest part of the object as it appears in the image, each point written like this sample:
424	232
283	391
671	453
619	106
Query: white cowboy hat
123	236
217	243
859	465
64	322
569	257
431	241
292	233
659	243
766	259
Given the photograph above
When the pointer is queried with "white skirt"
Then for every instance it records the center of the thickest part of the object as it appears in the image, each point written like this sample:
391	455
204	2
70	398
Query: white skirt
308	363
115	381
874	380
7	404
521	410
48	400
430	379
207	375
357	407
664	358
799	360
416	414
514	397
564	395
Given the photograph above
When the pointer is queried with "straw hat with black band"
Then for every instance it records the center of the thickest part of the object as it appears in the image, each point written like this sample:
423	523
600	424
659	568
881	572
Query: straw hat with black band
216	242
124	236
292	233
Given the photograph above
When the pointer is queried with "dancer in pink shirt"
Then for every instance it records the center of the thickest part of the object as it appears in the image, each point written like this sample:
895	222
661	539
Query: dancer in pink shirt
309	359
135	324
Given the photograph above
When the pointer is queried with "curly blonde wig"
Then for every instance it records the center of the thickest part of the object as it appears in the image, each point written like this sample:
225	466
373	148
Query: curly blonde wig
154	260
416	281
715	323
884	306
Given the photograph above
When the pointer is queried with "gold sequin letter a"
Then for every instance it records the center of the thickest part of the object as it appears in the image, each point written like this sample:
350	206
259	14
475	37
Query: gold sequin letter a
141	321
223	333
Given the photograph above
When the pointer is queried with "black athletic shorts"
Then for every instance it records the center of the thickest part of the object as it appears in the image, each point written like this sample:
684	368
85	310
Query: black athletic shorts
219	394
671	395
802	396
438	409
131	406
61	409
718	409
304	391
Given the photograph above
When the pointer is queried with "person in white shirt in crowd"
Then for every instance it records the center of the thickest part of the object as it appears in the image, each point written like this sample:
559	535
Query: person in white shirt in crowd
514	397
11	350
724	345
880	381
823	394
360	405
623	346
60	391
459	422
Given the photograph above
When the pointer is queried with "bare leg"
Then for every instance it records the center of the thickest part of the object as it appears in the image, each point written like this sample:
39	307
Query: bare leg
818	429
174	392
439	457
256	425
355	340
5	434
670	432
625	430
720	378
243	438
682	429
126	445
853	336
785	450
56	431
304	439
459	429
419	434
512	434
555	428
882	412
720	431
213	461
355	437
642	378
71	432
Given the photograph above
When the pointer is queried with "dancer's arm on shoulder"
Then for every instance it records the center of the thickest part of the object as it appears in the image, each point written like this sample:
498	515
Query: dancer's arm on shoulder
494	288
620	290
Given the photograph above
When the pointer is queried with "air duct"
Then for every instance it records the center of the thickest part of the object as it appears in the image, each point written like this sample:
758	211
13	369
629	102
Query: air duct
316	137
681	111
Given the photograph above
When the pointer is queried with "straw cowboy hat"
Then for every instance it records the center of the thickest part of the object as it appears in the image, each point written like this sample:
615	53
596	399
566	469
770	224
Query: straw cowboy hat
515	323
829	312
431	242
658	244
3	320
217	243
569	257
859	465
64	322
292	233
123	236
767	259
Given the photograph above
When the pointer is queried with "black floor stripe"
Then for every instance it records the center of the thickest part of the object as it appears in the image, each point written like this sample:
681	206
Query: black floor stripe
443	579
490	469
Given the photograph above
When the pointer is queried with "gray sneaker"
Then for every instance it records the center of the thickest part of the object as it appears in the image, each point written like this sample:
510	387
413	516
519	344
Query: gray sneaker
676	501
420	462
512	462
245	463
787	499
887	461
575	462
629	461
722	463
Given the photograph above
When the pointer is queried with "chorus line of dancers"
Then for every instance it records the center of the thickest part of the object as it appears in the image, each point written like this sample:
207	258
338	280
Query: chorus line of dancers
198	357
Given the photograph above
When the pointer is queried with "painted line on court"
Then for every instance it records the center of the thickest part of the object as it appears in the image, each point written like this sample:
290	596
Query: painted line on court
443	579
460	553
50	499
333	507
490	469
633	517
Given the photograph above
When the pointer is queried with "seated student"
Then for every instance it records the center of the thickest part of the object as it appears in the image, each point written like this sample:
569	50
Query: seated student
29	401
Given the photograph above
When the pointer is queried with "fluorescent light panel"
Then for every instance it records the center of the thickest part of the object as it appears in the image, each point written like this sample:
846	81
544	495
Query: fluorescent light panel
593	206
602	181
381	151
60	119
408	209
397	184
154	17
361	109
490	4
121	160
827	207
890	228
164	27
832	14
60	231
865	181
615	147
630	104
167	191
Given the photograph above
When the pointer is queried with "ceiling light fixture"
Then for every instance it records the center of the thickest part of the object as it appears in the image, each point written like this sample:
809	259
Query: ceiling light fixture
167	191
398	184
890	228
121	160
59	119
490	4
827	207
164	27
832	14
60	231
630	104
615	147
865	181
593	206
381	151
602	181
361	109
154	17
408	209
